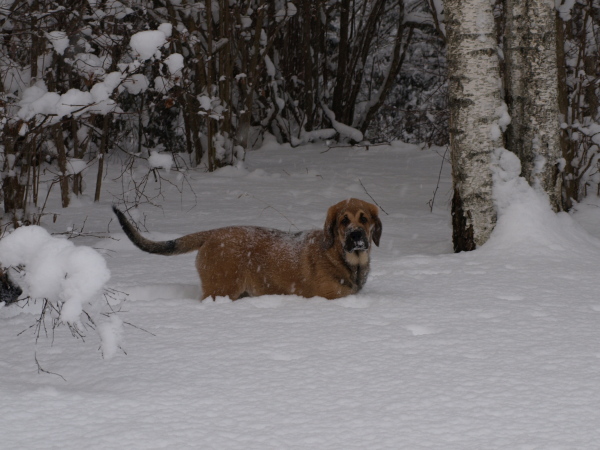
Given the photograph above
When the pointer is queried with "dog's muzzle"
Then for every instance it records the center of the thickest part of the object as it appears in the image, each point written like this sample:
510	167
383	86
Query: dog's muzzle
356	241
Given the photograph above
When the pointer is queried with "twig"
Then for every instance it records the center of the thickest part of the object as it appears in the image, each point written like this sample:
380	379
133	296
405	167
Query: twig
437	186
41	369
317	175
139	328
371	197
112	293
75	233
366	146
292	224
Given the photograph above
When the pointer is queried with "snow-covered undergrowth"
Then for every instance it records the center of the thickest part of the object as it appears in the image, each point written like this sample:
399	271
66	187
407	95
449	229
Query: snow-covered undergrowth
51	107
65	279
495	349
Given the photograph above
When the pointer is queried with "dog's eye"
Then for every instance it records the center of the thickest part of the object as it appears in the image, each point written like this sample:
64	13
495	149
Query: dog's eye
345	221
363	219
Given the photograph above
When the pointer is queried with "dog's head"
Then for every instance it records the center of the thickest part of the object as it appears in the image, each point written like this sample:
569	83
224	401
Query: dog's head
354	224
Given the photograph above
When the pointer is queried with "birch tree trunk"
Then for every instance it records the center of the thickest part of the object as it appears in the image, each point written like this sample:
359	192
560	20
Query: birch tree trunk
532	93
474	99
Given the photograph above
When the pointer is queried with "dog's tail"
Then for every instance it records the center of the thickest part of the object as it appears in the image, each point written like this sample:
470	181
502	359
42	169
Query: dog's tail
184	244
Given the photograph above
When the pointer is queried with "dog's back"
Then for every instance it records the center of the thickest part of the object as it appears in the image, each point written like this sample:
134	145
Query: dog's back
251	261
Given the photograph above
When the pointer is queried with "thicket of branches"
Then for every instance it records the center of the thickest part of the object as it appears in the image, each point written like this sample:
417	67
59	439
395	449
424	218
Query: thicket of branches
579	81
228	72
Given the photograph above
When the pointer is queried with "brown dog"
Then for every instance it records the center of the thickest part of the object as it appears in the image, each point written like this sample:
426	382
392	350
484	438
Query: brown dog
252	261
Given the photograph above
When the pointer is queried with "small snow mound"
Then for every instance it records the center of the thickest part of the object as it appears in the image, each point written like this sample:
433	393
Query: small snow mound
174	62
269	143
136	83
166	28
148	43
343	129
73	101
160	160
75	166
526	223
237	170
59	41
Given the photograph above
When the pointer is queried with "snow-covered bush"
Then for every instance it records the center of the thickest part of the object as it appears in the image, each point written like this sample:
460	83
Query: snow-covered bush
67	279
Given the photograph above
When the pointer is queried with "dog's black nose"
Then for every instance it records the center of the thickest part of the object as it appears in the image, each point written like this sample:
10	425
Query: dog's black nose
356	235
357	240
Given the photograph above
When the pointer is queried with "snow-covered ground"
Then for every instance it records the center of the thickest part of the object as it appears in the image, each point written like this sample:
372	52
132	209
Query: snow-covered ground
493	349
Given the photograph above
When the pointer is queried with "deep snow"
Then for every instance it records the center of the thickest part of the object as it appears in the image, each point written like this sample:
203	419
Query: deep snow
493	349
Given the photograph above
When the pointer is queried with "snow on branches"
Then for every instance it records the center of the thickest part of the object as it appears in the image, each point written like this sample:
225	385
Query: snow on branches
68	279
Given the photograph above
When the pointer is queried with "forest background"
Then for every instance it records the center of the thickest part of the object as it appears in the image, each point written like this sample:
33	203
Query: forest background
80	86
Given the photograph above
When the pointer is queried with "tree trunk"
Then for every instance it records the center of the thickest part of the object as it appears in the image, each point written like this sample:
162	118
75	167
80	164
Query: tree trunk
78	152
63	178
343	55
570	185
514	27
474	98
10	178
209	87
253	72
101	155
532	93
307	25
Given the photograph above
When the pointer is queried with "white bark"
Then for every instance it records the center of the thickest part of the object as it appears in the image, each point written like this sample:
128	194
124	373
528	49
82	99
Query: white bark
474	91
532	93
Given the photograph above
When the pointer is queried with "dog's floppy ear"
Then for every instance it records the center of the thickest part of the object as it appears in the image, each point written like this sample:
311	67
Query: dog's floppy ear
330	223
378	227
